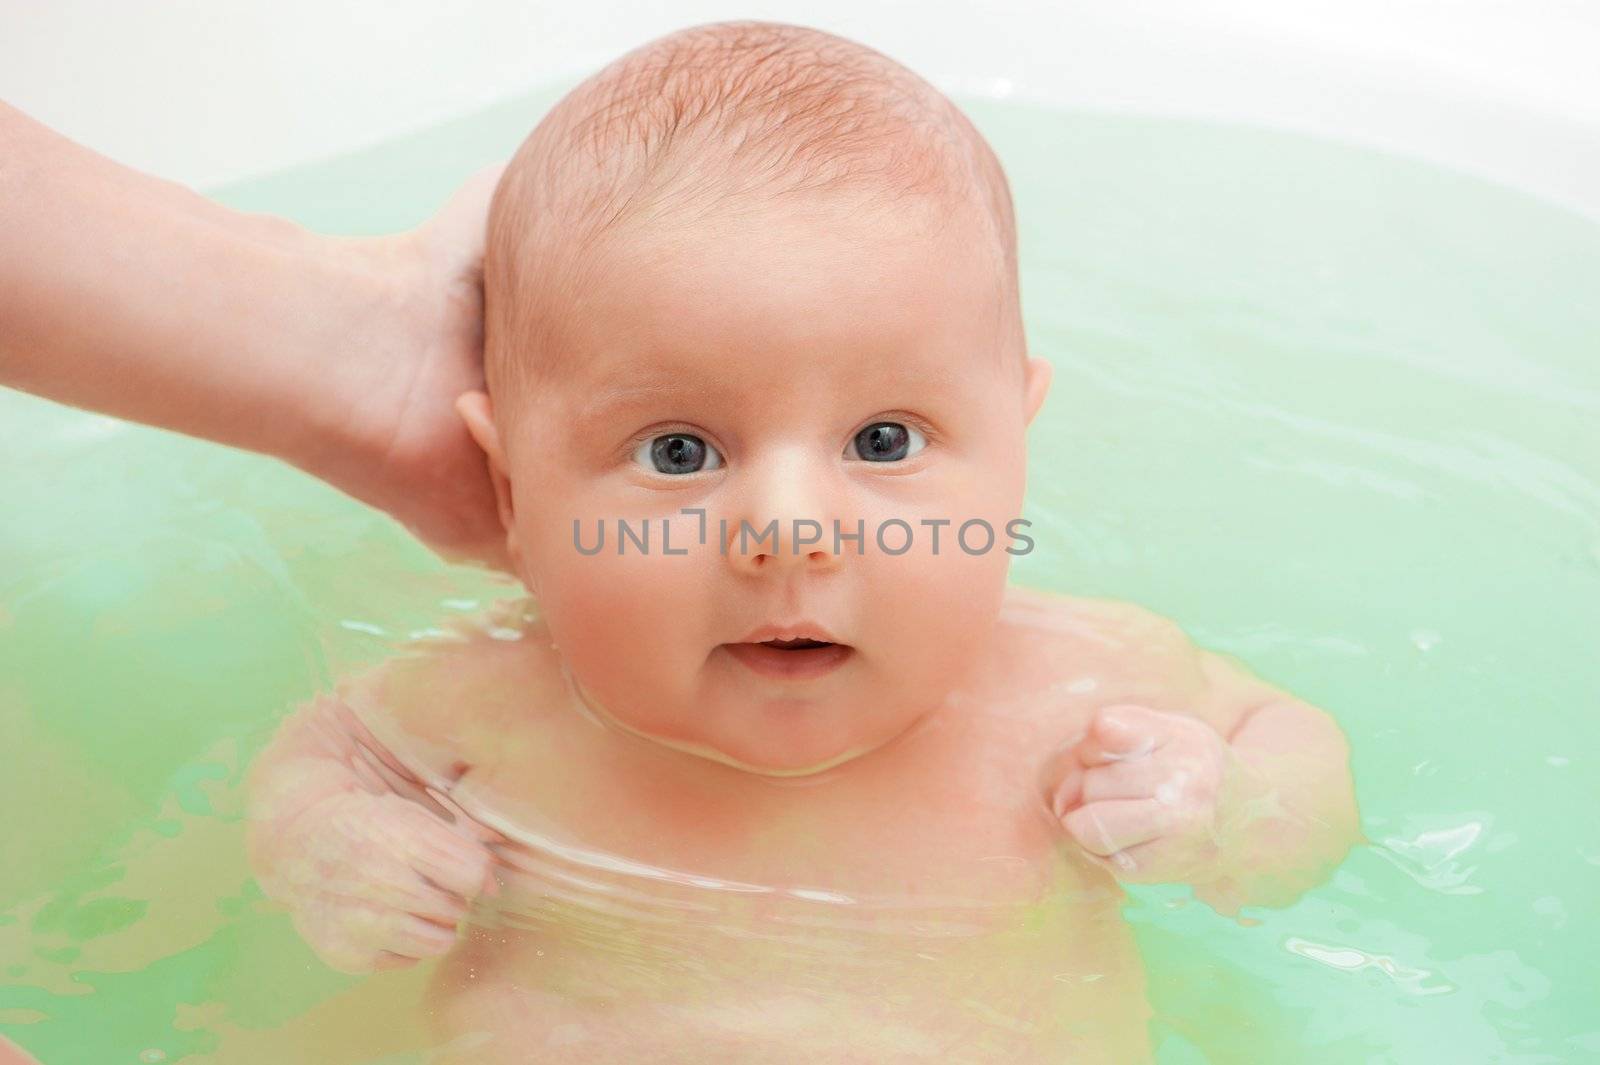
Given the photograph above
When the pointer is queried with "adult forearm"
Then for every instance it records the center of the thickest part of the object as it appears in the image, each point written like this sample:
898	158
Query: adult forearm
136	297
1289	815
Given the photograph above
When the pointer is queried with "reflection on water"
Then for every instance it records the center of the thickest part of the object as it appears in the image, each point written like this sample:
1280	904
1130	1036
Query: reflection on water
1430	858
588	896
1349	959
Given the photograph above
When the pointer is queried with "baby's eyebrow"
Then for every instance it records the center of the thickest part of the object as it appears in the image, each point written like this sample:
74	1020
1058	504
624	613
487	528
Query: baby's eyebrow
610	401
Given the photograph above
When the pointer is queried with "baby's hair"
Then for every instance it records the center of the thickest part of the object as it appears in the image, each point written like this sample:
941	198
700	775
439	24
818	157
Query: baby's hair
716	120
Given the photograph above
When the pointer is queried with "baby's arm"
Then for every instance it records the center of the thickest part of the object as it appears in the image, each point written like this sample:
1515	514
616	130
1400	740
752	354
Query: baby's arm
375	869
1247	795
1290	816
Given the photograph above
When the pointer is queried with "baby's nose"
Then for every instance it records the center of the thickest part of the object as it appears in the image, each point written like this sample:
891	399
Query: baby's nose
786	520
779	545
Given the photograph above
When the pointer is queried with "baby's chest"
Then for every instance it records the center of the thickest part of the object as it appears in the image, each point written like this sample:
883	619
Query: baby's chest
966	813
678	970
924	908
968	837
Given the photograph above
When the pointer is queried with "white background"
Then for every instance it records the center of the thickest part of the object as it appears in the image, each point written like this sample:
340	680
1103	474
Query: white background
207	91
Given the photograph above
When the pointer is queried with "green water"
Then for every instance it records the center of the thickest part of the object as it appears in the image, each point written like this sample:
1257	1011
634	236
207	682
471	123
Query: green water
1333	411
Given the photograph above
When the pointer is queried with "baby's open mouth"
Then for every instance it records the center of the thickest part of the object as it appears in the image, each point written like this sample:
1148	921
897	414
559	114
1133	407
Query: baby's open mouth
799	658
799	643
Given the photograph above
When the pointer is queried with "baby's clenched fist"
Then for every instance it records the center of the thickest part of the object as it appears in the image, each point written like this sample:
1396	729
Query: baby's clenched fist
1141	793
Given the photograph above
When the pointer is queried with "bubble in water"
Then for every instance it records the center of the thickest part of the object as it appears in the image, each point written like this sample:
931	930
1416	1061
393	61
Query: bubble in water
1548	906
153	1055
1501	841
1425	639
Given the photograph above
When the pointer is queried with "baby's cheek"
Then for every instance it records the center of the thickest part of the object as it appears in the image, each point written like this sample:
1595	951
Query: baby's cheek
628	625
596	600
934	604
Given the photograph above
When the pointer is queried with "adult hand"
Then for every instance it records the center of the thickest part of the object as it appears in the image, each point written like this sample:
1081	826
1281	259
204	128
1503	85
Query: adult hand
408	452
133	296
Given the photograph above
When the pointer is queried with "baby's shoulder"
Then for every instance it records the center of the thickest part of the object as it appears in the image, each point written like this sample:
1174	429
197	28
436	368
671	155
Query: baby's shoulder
448	700
1068	656
1093	651
1101	628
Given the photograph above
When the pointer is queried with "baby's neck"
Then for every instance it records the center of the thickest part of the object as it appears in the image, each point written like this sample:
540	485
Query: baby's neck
695	757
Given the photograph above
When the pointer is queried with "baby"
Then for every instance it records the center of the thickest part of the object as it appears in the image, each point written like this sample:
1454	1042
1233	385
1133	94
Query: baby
778	768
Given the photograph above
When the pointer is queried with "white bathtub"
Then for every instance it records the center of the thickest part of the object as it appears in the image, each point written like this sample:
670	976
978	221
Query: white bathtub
209	91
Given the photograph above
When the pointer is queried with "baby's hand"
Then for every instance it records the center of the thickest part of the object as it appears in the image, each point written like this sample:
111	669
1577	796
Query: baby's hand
379	881
1140	792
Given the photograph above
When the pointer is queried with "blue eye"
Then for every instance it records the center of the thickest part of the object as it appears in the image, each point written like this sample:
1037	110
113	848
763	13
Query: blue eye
887	442
677	454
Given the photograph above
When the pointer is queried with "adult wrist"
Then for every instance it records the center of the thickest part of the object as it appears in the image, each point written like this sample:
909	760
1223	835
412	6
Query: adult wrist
348	366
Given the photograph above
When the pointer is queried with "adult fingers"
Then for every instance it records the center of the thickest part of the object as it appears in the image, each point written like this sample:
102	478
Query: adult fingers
459	230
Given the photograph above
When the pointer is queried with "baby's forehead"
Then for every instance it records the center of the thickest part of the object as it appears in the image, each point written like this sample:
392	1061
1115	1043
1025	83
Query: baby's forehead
718	124
862	245
798	284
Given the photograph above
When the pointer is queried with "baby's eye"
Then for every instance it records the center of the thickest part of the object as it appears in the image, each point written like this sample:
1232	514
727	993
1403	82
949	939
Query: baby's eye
677	453
886	442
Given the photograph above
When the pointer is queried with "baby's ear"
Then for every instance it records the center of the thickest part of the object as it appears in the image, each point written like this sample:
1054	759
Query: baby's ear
1035	384
478	413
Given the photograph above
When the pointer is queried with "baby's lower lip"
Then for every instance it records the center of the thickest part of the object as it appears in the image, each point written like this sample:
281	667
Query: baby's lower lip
800	664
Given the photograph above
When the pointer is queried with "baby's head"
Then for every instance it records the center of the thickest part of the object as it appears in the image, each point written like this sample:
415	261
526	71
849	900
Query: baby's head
754	273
